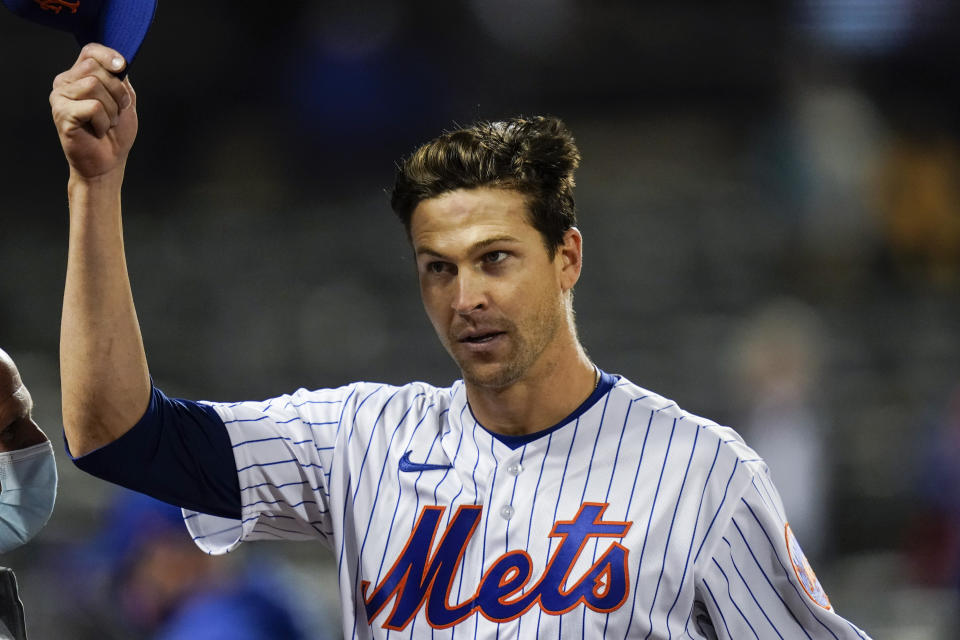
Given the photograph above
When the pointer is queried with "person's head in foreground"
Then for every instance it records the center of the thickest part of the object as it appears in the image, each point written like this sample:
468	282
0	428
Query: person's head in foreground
28	473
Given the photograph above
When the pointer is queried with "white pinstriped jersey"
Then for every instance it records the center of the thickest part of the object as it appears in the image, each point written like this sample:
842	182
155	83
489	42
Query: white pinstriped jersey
633	520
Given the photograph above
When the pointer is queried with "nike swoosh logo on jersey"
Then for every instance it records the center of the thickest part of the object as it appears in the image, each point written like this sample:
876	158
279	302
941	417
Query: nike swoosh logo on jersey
407	466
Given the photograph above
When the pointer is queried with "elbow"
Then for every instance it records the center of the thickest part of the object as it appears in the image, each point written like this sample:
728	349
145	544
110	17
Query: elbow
80	445
86	434
91	426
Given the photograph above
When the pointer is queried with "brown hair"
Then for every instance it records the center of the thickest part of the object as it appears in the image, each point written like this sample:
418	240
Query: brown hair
533	156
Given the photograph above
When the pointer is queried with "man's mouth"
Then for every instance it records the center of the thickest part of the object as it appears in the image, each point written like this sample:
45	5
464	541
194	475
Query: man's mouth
481	338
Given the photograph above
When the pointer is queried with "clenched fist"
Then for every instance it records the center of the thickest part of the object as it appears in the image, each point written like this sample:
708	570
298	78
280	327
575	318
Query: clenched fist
95	113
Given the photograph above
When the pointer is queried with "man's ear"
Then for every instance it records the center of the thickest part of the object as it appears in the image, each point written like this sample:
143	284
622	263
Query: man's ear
569	258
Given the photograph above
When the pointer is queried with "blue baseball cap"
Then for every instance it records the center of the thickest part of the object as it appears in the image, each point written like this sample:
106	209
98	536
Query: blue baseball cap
118	24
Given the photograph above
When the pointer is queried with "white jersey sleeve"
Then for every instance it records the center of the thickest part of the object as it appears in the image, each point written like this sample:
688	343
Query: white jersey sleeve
756	581
283	449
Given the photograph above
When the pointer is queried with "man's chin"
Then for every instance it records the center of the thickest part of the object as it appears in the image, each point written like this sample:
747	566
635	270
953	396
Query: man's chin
489	375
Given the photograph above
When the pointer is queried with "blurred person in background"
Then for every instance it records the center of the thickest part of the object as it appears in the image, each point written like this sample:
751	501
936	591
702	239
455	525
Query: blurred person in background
165	588
28	485
918	203
933	535
776	357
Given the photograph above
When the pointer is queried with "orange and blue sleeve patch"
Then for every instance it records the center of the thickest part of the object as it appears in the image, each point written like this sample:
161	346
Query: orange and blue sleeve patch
804	572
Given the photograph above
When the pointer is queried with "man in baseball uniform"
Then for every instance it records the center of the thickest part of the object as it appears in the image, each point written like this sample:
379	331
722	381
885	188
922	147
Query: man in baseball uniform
537	497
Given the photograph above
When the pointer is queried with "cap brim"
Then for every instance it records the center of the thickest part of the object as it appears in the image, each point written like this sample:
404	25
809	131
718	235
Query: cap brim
123	26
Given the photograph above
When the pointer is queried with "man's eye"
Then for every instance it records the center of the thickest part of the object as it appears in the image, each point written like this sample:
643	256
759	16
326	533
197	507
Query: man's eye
494	257
436	267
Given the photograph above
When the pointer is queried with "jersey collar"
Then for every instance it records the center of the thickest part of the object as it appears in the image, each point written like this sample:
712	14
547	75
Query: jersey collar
607	382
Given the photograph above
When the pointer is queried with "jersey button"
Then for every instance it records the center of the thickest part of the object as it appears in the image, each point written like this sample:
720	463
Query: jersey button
515	469
506	512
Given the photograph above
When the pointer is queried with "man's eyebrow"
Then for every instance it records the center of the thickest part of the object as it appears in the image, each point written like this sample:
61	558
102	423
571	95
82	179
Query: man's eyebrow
476	246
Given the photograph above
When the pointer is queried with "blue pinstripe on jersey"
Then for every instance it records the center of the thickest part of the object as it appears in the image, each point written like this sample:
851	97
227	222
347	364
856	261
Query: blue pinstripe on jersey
583	495
376	494
673	519
653	507
606	497
746	586
764	495
473	478
366	452
433	443
373	434
456	497
533	509
693	533
349	438
719	509
295	461
237	421
383	556
773	589
766	536
513	496
719	609
396	508
733	601
486	523
214	533
556	507
345	403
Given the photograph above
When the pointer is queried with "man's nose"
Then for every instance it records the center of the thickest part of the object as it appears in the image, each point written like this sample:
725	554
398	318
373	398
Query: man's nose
470	294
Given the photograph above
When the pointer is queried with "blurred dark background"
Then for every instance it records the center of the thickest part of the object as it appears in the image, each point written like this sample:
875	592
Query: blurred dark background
769	196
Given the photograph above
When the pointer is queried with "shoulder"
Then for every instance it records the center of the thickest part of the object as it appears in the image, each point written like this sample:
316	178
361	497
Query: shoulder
364	390
350	400
364	398
663	413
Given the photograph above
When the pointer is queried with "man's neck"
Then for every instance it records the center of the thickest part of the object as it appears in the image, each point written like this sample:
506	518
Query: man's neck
550	391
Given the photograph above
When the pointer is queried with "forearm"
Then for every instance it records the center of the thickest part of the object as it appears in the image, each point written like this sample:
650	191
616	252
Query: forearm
104	378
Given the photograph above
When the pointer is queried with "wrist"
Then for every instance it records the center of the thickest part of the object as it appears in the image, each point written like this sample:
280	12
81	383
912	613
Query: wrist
105	182
94	199
94	193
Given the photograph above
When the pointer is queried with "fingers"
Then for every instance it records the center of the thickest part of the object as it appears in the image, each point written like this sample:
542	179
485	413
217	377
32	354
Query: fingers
92	88
91	80
130	92
92	113
104	56
93	56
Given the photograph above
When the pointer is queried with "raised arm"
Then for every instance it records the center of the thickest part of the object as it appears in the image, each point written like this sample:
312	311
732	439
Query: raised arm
104	377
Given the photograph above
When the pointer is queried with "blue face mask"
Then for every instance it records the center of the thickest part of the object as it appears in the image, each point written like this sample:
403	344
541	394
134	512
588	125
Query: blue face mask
28	489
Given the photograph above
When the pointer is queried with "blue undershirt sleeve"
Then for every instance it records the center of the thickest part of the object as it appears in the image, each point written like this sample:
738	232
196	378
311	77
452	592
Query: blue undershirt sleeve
178	452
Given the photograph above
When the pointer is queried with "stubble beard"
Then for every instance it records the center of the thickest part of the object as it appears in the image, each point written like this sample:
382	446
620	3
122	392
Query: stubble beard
528	341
